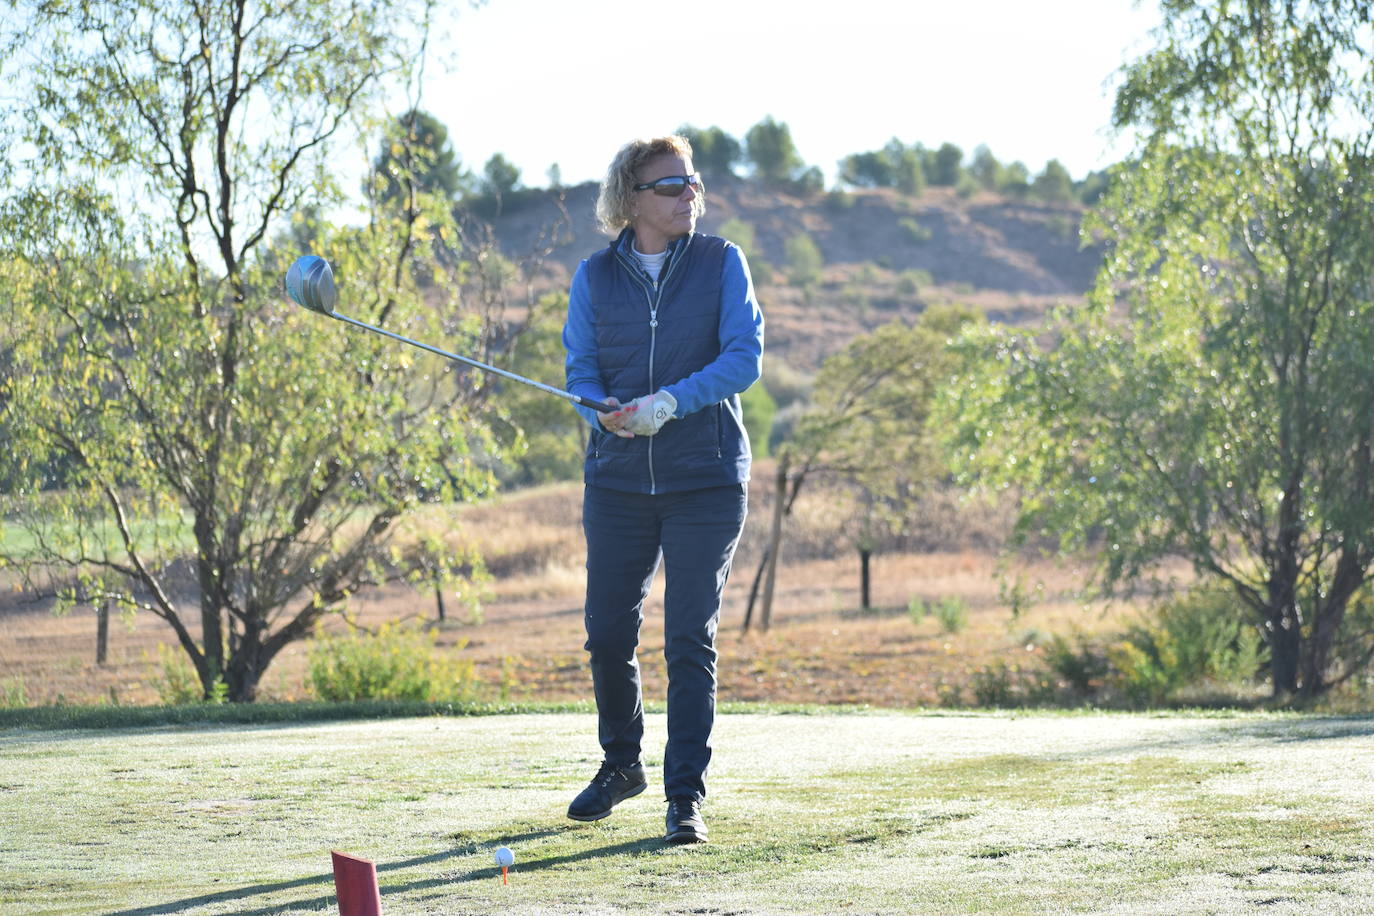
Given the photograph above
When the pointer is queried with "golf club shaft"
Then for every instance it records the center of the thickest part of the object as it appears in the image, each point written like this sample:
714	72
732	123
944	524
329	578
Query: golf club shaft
566	395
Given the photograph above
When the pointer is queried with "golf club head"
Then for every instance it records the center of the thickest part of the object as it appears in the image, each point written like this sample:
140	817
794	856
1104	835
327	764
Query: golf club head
310	282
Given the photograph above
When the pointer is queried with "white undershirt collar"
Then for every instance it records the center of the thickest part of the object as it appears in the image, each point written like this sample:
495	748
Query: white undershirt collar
652	263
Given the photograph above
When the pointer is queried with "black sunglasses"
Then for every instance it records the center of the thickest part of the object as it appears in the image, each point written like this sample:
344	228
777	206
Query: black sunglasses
673	185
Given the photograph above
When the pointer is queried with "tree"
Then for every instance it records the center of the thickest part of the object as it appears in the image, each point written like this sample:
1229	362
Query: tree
416	156
810	181
867	170
865	425
222	444
894	166
1215	401
908	165
714	152
1090	190
985	169
771	150
546	438
499	187
499	176
947	165
1054	185
1015	180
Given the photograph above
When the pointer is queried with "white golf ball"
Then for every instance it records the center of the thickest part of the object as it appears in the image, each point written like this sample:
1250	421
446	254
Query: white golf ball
504	857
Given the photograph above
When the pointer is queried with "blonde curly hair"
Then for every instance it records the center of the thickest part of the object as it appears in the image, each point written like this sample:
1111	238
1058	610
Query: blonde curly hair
615	204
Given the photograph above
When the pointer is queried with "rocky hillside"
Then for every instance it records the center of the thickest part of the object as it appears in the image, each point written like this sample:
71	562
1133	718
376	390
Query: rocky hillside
886	255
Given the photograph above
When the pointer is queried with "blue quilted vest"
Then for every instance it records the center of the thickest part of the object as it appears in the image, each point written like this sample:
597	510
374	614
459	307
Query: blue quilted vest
646	339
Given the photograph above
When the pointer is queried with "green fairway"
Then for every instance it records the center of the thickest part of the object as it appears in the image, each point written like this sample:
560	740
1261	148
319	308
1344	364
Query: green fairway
824	813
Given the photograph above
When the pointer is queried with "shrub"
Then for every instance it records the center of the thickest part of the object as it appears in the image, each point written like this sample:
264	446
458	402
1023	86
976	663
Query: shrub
1201	636
840	201
1063	227
178	684
914	232
947	694
804	261
1004	686
952	613
397	663
1083	666
761	272
994	686
743	235
911	282
13	693
759	411
1147	674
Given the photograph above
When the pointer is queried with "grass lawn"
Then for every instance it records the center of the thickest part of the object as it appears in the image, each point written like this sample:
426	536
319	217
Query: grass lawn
809	813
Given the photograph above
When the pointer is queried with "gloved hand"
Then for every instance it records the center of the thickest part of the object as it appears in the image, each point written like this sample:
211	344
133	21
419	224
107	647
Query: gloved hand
651	412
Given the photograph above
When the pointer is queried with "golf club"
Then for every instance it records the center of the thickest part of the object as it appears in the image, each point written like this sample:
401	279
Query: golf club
310	282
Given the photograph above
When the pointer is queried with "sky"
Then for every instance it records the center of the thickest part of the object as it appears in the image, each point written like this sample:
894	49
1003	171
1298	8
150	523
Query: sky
570	81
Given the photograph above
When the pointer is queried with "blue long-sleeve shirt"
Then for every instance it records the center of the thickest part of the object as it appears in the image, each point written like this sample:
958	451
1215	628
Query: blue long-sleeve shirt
739	331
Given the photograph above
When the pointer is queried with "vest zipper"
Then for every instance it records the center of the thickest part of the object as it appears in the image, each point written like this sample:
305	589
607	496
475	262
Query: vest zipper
653	291
653	341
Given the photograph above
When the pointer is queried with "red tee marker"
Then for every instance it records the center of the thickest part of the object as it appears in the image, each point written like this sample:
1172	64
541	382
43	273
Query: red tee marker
355	885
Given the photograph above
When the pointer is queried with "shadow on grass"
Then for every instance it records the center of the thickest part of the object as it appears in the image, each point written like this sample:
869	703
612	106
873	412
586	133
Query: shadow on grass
65	723
1278	731
1324	729
489	872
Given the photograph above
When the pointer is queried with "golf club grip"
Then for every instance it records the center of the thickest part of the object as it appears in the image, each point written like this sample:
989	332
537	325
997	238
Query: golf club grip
596	405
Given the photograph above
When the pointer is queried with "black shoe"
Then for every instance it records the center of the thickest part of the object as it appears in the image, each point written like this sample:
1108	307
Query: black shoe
611	786
685	823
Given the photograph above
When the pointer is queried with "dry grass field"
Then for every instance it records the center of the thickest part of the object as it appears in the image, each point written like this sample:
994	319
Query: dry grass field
526	637
1011	260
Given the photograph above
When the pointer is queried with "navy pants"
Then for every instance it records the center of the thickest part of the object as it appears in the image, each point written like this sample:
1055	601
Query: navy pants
695	533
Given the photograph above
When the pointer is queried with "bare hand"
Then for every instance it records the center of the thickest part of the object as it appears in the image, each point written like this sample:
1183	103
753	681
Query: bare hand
615	422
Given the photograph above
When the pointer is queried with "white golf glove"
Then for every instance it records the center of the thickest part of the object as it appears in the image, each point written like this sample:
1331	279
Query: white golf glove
651	412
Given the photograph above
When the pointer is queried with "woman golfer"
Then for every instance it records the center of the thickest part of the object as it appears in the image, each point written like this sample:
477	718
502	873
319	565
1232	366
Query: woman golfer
664	322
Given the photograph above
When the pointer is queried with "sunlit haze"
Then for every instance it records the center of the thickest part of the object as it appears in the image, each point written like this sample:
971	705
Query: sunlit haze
552	81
